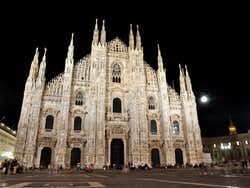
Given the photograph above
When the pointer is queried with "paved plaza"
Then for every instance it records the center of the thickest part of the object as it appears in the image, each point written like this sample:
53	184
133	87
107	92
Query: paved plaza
155	178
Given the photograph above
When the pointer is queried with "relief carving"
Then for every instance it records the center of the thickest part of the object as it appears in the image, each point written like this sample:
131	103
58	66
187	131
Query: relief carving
117	130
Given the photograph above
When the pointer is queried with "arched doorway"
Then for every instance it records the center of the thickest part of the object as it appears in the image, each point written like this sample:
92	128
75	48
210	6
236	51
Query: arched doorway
45	157
75	157
178	156
155	158
117	152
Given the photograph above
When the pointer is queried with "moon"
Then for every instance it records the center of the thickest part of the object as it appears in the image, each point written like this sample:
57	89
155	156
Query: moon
204	99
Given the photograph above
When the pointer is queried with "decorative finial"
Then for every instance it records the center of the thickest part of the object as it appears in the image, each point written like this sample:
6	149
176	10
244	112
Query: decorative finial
138	38
103	23
181	69
96	23
72	39
95	33
103	33
36	55
131	37
44	55
159	50
186	71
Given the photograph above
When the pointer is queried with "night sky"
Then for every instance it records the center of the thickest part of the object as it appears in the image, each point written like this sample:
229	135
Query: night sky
212	40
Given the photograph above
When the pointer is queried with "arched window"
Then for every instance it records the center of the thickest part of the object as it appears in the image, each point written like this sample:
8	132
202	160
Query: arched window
117	105
116	73
151	103
77	123
153	127
79	100
176	128
49	122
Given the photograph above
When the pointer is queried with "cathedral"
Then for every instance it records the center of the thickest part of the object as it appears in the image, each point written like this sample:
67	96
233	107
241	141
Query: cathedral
108	108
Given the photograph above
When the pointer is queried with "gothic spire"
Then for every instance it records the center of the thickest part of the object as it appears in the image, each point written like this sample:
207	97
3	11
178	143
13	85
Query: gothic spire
188	81
36	56
103	33
44	55
95	34
34	66
41	74
138	38
131	38
160	62
182	81
71	48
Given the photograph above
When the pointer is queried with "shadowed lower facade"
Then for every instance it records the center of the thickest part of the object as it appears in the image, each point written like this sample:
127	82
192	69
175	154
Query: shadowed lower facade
110	107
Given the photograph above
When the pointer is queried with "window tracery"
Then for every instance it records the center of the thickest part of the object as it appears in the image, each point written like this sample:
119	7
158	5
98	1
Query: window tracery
153	127
151	103
176	128
79	99
116	73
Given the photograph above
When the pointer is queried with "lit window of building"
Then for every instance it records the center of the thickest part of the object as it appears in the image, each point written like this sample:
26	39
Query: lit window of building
225	146
237	143
7	142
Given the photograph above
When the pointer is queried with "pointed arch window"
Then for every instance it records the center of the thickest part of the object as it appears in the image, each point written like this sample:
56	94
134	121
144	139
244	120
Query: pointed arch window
176	128
116	73
49	122
151	103
77	123
153	127
79	99
117	105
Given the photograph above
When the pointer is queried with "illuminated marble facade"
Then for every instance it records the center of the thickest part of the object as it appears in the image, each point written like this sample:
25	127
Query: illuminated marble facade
110	94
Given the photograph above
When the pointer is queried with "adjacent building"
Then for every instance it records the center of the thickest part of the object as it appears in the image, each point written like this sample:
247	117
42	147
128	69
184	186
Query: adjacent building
110	107
7	142
233	147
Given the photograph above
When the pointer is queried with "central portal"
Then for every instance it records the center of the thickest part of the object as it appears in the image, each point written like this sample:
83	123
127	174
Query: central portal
117	153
